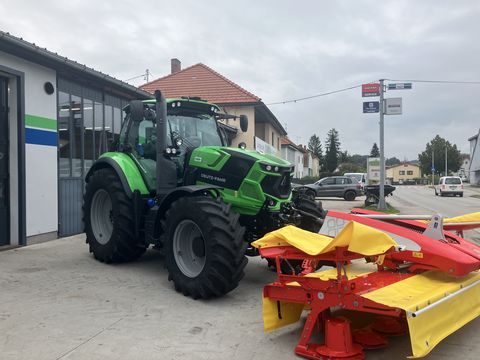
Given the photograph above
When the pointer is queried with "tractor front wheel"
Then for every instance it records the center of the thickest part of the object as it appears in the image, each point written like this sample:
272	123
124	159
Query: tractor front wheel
108	217
204	247
306	204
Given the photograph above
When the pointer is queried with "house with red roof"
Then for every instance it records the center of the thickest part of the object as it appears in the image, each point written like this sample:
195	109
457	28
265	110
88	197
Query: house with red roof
199	80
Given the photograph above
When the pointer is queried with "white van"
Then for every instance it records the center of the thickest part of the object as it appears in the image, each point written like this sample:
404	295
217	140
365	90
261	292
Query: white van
361	178
452	185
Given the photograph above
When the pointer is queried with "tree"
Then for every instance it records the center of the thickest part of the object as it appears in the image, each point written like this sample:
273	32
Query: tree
332	150
392	161
375	152
360	160
349	167
315	146
437	146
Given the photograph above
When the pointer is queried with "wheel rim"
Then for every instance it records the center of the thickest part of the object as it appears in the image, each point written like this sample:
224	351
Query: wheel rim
101	216
189	248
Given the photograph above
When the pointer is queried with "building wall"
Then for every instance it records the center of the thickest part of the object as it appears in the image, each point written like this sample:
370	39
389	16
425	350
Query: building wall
315	167
295	158
475	161
403	172
247	137
41	145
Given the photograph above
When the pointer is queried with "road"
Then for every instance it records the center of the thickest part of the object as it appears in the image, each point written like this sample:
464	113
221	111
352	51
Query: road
422	200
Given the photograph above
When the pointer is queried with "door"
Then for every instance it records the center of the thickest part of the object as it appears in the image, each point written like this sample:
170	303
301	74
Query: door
326	188
4	165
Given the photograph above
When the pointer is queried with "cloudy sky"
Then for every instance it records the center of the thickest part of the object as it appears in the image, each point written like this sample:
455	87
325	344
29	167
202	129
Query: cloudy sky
282	50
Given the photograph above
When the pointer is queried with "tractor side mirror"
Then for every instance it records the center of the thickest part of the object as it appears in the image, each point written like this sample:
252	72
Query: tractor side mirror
244	123
136	110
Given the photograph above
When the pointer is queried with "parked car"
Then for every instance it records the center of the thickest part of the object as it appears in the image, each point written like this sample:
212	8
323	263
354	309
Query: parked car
334	186
449	185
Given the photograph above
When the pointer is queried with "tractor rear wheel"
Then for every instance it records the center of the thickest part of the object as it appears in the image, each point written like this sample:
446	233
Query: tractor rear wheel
108	219
204	247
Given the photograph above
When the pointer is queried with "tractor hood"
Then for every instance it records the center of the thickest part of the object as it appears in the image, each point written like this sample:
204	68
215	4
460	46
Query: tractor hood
265	158
248	178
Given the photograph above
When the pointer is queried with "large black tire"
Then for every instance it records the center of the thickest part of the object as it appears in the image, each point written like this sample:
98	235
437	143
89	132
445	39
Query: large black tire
209	262
108	217
309	205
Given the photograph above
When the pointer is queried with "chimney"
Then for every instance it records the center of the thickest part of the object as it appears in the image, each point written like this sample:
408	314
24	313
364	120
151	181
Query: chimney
176	65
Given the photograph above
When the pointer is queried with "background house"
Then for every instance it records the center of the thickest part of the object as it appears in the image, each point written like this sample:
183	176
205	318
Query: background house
401	173
294	154
311	165
474	160
201	81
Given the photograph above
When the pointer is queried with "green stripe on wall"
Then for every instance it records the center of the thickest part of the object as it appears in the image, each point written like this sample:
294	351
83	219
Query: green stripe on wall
40	122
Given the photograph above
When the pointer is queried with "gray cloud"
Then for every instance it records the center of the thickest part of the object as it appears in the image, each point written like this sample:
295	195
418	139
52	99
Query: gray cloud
282	50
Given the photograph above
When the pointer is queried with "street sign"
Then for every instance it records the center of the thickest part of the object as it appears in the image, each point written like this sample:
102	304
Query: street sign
400	86
370	107
393	106
369	90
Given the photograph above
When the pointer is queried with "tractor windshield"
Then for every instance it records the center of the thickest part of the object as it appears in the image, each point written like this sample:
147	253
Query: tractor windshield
195	130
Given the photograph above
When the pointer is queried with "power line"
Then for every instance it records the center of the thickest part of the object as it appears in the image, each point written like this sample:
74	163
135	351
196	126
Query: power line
440	81
315	96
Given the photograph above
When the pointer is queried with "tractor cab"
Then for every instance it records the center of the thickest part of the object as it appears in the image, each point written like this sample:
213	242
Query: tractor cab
191	123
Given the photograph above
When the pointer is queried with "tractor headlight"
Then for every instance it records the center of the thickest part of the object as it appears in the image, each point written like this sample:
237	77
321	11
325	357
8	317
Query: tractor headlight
178	142
168	150
271	168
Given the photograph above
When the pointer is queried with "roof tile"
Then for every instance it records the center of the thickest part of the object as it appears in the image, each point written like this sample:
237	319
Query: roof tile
204	82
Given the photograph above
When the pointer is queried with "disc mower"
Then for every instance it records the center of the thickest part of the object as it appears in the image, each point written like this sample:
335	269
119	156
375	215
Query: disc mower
404	273
171	181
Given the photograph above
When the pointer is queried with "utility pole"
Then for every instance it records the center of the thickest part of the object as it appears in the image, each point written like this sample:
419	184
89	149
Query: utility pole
446	162
147	74
381	200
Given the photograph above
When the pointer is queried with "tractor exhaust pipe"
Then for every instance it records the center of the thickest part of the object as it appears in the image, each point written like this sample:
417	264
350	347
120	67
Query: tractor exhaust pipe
166	169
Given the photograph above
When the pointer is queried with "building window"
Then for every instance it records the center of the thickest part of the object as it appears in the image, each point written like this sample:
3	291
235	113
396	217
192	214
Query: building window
273	139
89	122
64	134
409	172
401	172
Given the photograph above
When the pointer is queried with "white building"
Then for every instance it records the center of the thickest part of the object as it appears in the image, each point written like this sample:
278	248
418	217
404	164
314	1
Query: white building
475	159
294	154
56	117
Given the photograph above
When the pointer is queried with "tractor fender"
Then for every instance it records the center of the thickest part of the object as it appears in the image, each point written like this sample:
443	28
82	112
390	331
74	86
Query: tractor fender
181	191
126	170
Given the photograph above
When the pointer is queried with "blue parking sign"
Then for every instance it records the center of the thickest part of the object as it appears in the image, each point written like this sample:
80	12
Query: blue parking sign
371	107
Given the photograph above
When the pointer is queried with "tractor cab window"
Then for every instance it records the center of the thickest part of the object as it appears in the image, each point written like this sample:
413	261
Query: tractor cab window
195	130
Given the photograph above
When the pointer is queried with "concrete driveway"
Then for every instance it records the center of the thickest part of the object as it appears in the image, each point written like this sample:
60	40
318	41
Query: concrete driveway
57	302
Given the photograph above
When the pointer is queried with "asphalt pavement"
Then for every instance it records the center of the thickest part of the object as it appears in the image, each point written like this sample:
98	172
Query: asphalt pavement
57	302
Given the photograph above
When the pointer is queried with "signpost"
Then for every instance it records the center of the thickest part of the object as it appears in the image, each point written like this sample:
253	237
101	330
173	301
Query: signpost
369	90
371	107
392	106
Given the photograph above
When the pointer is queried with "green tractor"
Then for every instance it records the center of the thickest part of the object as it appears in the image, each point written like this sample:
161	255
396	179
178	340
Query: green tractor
172	182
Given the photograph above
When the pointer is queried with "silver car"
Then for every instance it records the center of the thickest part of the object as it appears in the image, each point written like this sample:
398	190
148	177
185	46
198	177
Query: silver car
334	186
